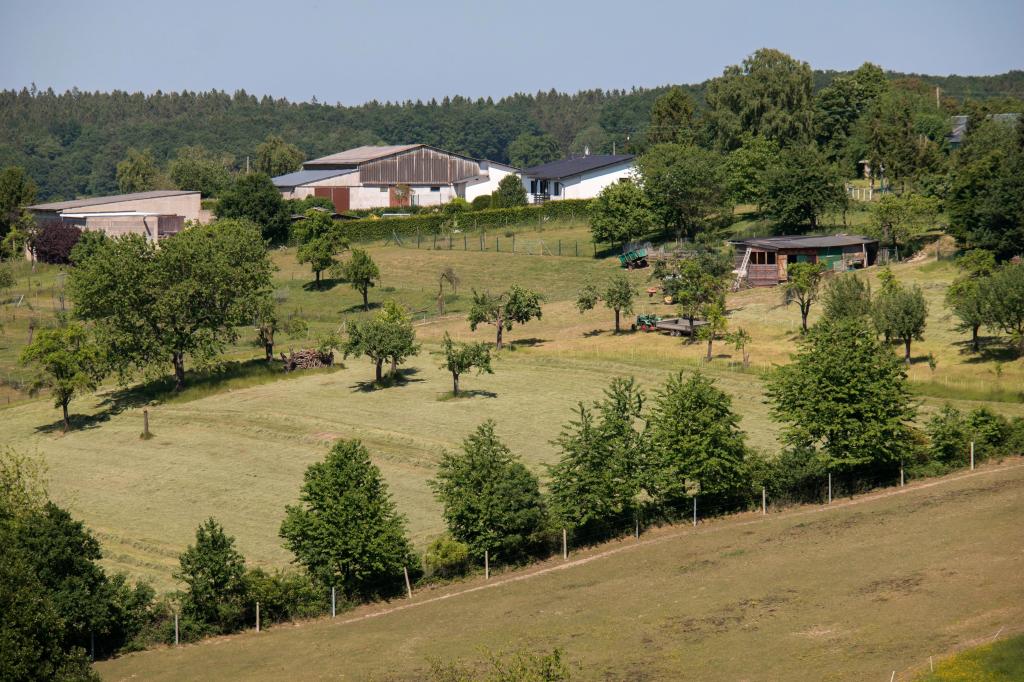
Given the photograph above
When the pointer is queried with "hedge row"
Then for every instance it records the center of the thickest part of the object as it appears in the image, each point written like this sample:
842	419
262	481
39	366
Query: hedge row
371	229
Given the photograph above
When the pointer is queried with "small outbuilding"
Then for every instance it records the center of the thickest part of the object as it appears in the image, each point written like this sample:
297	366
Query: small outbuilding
763	261
581	177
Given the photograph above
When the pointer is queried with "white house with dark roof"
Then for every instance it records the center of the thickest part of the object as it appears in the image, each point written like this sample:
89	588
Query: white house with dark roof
376	177
579	178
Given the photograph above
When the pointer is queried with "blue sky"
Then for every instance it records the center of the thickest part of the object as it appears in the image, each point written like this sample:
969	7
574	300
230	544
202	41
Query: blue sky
394	50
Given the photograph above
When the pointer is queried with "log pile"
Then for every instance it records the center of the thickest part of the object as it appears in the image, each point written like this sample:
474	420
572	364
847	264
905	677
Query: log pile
306	358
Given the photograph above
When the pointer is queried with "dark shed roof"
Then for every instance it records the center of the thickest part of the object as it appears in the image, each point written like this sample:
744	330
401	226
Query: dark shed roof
805	241
565	168
304	177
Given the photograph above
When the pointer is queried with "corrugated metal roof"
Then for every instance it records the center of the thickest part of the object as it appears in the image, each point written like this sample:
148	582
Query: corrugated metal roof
805	241
113	199
304	177
565	168
360	154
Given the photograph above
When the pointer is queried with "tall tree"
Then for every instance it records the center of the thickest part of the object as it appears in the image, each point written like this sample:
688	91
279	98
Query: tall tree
274	156
533	150
694	437
746	168
187	298
844	400
801	187
618	296
901	313
1004	302
213	572
346	530
196	168
69	362
673	118
254	197
490	500
685	186
515	305
899	218
138	172
770	94
802	287
459	358
361	273
17	190
621	213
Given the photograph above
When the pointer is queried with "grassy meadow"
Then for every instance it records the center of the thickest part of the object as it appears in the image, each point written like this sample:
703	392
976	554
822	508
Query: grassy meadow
866	589
235	445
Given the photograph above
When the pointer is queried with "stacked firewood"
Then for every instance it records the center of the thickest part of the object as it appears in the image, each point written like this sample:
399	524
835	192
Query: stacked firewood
306	358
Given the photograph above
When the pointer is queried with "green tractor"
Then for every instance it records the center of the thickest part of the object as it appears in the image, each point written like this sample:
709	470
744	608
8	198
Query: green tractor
646	323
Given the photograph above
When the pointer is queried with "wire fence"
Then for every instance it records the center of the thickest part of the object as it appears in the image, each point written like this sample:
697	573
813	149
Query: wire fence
499	243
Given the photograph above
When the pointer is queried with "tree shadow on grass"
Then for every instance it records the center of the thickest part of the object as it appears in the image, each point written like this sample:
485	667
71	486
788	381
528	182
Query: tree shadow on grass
404	377
592	333
466	393
326	284
526	343
79	422
991	351
358	308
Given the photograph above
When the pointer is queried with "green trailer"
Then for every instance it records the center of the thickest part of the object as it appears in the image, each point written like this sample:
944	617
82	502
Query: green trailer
635	258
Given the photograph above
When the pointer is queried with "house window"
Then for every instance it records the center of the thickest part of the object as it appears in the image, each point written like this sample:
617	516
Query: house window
533	186
383	189
771	258
556	189
435	189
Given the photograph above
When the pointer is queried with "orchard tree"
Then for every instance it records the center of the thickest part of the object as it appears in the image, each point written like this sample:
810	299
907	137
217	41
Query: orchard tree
69	361
346	530
361	273
319	240
801	187
1004	301
715	324
187	298
618	296
693	288
685	186
459	358
847	297
254	197
673	118
515	305
597	477
489	500
898	218
621	213
214	575
802	287
740	339
447	276
967	297
694	436
388	336
901	313
844	401
274	156
269	323
510	192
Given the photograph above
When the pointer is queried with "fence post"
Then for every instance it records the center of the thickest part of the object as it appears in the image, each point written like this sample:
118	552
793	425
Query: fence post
487	566
559	247
565	545
830	487
408	585
497	244
972	455
577	248
435	241
333	603
257	616
694	511
465	242
175	628
513	242
145	423
764	501
901	476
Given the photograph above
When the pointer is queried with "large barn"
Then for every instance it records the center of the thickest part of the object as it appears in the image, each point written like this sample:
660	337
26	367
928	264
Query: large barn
392	176
763	261
154	215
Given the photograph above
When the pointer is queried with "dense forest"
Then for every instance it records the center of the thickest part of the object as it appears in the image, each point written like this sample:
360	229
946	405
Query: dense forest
70	143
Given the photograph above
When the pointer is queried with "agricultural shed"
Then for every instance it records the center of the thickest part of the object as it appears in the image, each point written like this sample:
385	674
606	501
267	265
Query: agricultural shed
763	261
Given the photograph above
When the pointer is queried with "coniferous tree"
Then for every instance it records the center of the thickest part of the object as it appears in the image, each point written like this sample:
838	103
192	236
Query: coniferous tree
213	572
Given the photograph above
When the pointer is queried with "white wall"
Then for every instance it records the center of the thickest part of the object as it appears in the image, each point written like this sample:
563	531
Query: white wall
495	174
587	185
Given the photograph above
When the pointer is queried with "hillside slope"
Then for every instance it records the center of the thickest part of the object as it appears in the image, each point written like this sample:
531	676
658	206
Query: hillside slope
852	591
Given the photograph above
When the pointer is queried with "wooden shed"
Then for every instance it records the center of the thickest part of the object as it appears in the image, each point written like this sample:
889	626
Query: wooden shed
763	261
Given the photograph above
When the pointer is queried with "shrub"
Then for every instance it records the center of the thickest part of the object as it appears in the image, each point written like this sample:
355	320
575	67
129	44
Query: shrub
55	241
456	205
989	431
446	557
948	435
284	595
481	202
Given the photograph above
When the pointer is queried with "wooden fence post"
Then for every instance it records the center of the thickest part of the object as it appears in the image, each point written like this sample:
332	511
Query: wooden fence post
830	487
175	628
694	511
145	423
764	501
333	603
257	616
487	566
972	455
408	585
565	545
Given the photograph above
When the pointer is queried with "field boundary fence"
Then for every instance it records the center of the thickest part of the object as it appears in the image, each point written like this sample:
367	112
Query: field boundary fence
482	242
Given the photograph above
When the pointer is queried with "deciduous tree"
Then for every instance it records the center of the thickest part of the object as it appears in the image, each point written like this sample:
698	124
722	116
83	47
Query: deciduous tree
685	186
901	313
253	197
138	172
274	156
1004	302
510	192
618	296
533	150
621	213
346	530
361	273
673	118
801	187
459	358
802	287
196	168
213	572
388	336
69	362
319	240
515	305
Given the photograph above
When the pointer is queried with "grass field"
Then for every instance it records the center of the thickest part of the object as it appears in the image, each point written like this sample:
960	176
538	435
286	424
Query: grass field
853	591
1001	661
235	447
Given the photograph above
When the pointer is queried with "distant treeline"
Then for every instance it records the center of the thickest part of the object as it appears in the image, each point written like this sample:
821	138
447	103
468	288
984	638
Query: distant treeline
70	143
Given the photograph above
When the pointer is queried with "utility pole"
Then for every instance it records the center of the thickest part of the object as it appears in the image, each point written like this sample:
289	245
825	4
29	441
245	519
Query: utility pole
937	104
